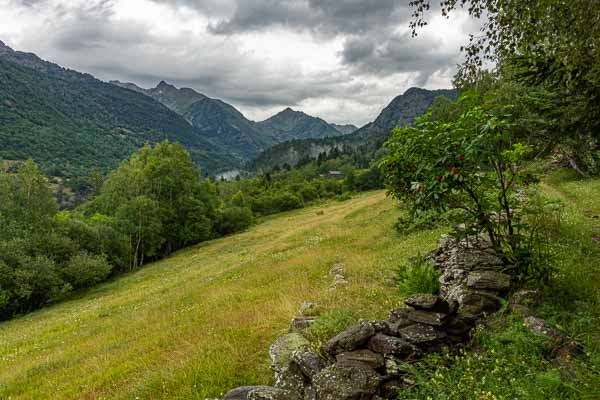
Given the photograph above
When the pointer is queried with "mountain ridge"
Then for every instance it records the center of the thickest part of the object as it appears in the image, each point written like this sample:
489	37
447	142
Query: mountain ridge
228	127
401	111
70	122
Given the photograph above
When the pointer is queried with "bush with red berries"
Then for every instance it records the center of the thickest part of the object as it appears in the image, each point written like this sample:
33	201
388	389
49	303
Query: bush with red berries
470	164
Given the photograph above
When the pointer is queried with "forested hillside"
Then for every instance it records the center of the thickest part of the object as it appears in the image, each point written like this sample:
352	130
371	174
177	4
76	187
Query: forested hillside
70	122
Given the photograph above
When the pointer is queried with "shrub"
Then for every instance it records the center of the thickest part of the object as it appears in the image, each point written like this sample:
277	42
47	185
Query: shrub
233	219
343	197
286	201
470	164
35	282
308	192
418	276
84	270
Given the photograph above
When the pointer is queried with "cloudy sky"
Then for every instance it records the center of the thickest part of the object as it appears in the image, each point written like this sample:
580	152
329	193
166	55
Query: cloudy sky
342	60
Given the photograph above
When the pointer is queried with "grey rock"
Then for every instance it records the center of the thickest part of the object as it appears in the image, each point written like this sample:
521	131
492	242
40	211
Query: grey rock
421	334
308	308
394	327
309	363
488	280
281	350
385	344
288	375
360	358
476	303
271	393
302	323
337	269
242	393
346	383
428	302
426	317
399	314
351	339
540	327
527	297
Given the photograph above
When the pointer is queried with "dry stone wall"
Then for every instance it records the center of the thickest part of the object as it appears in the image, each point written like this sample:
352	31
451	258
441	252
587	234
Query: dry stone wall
365	362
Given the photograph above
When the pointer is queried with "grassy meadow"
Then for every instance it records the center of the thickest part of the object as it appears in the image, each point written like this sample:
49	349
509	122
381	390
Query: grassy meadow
508	361
200	322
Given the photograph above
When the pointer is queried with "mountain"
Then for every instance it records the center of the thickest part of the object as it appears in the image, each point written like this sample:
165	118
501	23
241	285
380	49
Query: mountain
345	129
401	111
289	124
225	125
70	122
217	121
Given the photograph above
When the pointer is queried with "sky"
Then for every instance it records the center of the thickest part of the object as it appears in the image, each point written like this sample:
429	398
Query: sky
341	60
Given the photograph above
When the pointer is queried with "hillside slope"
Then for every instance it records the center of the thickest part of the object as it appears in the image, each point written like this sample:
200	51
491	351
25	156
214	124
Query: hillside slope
200	322
70	122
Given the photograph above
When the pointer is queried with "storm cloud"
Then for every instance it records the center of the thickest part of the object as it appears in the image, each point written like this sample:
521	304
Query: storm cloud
342	60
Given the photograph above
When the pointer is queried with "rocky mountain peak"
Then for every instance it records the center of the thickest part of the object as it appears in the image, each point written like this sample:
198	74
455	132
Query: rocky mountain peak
165	86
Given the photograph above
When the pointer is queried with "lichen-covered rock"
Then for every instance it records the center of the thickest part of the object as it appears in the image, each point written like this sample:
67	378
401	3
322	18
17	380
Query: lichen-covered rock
421	334
488	280
288	375
358	358
346	383
337	269
308	308
309	363
428	317
281	350
351	339
271	393
242	393
475	303
527	297
540	327
428	302
458	259
399	314
385	344
302	323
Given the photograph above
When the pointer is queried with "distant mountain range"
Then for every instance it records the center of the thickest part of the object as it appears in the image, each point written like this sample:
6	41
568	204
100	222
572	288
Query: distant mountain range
70	122
400	112
229	128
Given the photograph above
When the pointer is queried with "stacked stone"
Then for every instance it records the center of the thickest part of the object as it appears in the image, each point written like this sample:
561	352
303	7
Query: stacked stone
366	361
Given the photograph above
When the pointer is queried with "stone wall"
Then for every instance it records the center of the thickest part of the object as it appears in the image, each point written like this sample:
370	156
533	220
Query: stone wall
365	362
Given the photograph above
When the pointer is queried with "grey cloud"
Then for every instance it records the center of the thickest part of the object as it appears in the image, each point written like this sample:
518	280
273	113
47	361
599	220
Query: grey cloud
399	53
322	16
86	37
